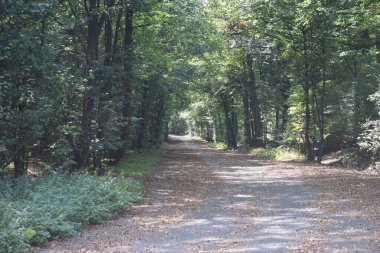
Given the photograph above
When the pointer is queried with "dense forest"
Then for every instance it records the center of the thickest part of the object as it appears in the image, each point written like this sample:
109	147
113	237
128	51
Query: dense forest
83	82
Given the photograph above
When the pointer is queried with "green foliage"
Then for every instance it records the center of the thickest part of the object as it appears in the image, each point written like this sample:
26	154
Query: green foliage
279	154
139	164
178	125
56	206
218	145
369	140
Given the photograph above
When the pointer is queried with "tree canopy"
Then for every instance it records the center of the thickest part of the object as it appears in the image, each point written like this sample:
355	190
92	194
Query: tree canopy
83	82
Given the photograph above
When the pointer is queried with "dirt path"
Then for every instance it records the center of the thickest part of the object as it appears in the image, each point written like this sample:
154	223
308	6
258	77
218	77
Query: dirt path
203	200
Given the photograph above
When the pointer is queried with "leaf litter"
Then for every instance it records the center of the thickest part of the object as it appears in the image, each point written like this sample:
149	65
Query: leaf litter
202	200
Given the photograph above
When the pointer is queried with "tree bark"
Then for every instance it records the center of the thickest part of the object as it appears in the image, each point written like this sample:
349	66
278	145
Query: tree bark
322	117
254	103
247	116
306	88
314	109
356	100
127	82
106	88
160	120
19	152
231	121
284	106
321	111
116	35
88	99
378	48
143	107
309	151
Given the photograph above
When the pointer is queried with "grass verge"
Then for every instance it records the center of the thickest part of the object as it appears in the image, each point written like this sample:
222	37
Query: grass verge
139	164
218	145
279	154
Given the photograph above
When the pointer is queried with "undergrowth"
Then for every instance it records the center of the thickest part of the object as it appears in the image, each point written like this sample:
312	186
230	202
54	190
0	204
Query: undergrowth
279	154
33	212
139	164
218	145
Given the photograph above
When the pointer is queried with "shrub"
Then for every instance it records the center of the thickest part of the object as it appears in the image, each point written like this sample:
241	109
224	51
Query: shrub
369	141
33	212
218	145
332	143
279	154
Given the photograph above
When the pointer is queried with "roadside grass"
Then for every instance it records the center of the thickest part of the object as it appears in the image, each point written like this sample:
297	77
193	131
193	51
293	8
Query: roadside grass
139	164
218	145
58	205
279	154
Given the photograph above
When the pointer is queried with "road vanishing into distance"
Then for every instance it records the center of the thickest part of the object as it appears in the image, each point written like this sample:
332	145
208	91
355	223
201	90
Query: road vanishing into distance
203	200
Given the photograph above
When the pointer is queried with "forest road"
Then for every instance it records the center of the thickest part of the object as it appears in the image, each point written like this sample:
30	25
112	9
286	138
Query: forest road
202	200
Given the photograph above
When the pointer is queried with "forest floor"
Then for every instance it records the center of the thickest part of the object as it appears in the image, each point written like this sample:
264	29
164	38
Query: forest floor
202	200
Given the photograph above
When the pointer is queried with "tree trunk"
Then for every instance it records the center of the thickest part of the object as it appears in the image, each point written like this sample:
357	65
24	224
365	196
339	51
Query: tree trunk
19	152
106	88
321	111
88	99
143	119
160	120
309	151
306	88
127	82
116	35
231	121
247	116
284	106
356	116
356	101
322	118
277	125
219	127
214	130
378	48
254	103
314	112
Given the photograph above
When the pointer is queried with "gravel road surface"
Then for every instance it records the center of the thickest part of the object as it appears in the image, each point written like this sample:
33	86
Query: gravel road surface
202	200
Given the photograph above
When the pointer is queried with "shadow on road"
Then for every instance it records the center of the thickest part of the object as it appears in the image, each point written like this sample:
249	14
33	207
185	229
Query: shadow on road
202	200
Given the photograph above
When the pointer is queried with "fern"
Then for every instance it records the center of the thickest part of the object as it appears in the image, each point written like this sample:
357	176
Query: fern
56	206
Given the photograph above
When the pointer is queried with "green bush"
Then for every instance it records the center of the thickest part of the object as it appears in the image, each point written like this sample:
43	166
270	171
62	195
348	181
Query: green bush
33	212
218	145
279	154
369	142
